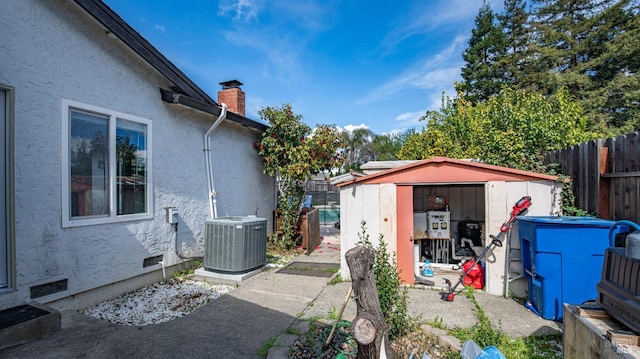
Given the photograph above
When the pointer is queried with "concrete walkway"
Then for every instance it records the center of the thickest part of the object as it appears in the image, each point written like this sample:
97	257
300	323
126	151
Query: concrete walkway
263	307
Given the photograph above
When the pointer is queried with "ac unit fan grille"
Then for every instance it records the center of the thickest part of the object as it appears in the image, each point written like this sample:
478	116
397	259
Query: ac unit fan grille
235	244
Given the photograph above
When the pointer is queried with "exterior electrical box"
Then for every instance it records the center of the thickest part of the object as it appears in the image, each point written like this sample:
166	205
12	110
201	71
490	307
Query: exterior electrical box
438	223
235	244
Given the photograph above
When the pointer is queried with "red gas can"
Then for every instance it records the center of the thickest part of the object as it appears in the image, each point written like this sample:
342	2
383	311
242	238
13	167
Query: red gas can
475	276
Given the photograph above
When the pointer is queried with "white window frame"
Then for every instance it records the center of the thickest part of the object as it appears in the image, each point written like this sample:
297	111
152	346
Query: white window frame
113	217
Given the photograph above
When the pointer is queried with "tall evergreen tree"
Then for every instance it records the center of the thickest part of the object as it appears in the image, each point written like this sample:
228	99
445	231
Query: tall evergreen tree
613	67
515	26
560	30
482	77
591	48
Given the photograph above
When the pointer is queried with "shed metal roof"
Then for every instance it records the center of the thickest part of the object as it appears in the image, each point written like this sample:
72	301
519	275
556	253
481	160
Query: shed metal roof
447	170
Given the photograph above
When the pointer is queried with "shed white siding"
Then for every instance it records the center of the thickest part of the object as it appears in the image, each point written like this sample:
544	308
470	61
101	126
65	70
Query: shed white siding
358	203
377	205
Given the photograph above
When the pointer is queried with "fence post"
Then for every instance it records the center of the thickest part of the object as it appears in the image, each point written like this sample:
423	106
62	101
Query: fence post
604	208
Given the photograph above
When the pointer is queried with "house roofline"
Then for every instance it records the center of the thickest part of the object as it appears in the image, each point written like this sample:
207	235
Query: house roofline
191	95
119	28
184	100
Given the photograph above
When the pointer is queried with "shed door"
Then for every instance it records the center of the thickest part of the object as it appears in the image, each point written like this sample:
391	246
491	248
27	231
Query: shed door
4	262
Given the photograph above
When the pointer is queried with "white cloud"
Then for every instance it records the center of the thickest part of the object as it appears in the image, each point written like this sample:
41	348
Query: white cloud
239	10
437	72
160	28
308	15
280	53
280	37
410	119
350	128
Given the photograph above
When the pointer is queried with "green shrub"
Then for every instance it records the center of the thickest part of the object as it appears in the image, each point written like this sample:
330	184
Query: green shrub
393	296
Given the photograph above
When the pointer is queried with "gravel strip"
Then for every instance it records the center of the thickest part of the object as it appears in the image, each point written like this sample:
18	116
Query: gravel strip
160	302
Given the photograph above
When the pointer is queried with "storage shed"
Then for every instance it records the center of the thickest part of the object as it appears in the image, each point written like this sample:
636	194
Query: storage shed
402	203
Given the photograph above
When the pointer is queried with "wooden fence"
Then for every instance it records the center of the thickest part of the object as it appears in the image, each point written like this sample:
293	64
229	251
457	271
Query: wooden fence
606	175
310	230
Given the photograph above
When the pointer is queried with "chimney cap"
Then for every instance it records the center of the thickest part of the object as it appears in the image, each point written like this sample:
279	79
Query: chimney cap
231	84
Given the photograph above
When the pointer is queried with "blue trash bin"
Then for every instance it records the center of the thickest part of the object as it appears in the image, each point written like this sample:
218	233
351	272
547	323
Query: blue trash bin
562	260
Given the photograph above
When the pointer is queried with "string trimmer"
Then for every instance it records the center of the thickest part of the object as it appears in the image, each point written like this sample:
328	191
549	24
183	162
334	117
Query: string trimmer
519	209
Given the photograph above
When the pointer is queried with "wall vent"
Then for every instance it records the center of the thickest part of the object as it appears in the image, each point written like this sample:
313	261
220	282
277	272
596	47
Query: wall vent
148	262
235	244
41	290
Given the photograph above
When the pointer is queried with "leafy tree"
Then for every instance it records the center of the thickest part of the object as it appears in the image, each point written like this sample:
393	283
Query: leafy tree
385	147
513	129
482	78
589	47
293	153
356	148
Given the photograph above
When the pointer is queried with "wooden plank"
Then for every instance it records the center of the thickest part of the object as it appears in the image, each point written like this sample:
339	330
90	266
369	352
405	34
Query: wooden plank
570	342
311	230
621	175
623	337
586	338
593	149
604	210
592	313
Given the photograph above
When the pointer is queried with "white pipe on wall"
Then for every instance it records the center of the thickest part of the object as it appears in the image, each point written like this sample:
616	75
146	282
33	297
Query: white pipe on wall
213	202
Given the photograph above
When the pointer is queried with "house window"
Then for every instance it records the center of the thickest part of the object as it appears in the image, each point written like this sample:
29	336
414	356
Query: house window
106	166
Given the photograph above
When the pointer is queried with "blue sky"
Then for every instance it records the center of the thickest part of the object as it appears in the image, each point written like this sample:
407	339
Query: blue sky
344	62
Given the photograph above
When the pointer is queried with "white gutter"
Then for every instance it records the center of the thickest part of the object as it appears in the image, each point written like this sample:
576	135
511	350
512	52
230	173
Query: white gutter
213	202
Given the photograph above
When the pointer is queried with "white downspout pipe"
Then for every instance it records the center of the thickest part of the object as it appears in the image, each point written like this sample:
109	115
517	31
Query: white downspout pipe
213	202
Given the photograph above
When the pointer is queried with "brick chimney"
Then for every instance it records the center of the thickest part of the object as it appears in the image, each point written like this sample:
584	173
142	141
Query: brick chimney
233	96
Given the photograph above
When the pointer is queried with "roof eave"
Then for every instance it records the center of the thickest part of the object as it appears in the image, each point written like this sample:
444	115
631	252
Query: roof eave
118	27
184	100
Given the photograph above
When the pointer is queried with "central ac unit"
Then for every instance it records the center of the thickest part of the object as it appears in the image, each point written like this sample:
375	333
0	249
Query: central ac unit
235	244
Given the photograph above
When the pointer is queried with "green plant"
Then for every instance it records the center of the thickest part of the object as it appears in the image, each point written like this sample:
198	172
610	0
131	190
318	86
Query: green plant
294	154
188	268
518	298
513	128
264	349
393	296
294	331
437	322
568	198
532	347
363	236
483	333
335	280
333	313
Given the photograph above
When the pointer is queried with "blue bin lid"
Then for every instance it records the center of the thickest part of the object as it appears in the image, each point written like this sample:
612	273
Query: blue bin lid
568	220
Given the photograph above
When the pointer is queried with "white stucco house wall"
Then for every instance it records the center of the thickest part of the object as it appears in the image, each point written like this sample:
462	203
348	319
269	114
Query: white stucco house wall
77	82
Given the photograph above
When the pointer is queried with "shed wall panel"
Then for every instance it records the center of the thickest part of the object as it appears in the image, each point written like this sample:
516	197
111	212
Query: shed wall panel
358	203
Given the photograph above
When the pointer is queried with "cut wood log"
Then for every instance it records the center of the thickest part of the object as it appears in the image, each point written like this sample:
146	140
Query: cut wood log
369	326
364	331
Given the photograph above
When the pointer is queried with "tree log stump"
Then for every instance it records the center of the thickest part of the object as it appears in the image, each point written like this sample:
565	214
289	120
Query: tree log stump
369	327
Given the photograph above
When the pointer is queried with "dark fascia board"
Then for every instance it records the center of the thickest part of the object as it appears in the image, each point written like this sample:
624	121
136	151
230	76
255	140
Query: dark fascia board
116	25
184	100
